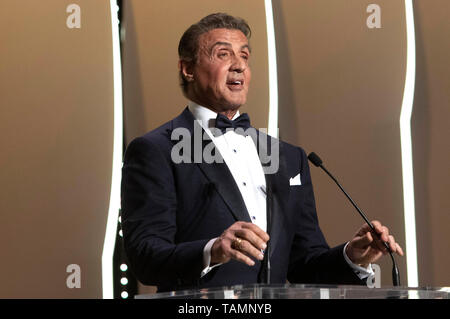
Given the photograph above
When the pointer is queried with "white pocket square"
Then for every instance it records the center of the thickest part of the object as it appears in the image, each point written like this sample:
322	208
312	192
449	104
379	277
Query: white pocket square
295	180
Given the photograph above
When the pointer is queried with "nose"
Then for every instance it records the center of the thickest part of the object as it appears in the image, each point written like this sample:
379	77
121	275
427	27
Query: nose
239	64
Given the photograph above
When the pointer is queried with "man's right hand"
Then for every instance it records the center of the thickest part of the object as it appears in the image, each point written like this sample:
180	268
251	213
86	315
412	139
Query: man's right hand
240	241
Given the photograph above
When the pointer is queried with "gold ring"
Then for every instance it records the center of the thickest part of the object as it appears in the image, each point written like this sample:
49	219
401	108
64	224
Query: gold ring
237	243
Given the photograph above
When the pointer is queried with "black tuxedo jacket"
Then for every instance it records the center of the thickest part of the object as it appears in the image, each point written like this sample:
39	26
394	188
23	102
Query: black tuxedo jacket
170	211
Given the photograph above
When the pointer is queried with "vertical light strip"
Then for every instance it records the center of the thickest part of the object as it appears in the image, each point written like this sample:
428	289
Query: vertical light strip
114	200
272	128
406	146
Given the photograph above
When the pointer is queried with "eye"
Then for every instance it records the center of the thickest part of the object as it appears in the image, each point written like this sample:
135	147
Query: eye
223	54
245	55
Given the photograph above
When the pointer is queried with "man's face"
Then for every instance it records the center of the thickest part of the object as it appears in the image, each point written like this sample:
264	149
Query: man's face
221	74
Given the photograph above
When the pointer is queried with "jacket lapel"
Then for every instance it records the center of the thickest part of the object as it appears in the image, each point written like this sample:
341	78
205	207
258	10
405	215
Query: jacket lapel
216	172
220	177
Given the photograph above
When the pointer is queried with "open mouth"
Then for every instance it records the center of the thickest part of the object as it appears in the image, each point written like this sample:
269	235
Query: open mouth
235	84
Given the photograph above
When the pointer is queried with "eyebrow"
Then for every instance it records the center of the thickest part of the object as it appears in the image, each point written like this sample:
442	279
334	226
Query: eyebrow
245	46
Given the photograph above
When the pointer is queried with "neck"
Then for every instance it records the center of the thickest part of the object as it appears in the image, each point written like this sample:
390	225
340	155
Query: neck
229	114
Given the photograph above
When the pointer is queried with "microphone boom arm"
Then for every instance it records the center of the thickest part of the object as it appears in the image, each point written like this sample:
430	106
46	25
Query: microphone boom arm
314	158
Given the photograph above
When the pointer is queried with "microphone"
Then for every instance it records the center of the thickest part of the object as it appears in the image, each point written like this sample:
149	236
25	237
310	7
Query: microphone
315	159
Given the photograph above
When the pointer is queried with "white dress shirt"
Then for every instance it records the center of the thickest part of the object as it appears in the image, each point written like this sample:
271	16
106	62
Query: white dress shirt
240	155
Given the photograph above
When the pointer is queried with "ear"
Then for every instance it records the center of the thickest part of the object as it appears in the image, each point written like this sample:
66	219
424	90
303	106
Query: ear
186	69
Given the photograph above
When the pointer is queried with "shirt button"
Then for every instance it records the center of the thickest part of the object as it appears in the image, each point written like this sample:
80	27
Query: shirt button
254	217
245	184
234	150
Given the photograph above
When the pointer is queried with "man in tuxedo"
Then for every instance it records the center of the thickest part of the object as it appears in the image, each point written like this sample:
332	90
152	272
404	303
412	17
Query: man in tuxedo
192	222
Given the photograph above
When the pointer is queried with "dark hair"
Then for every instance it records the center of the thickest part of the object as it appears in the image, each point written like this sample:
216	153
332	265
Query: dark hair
188	46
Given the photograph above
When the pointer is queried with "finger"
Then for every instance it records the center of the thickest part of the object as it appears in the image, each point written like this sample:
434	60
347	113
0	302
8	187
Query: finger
251	237
376	224
378	243
392	244
381	230
385	234
248	249
399	250
258	231
237	255
363	230
381	237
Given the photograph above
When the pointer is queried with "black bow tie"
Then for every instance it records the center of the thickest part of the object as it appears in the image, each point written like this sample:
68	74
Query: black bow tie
223	123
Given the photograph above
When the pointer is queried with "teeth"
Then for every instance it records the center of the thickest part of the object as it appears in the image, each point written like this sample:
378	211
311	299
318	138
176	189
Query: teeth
237	82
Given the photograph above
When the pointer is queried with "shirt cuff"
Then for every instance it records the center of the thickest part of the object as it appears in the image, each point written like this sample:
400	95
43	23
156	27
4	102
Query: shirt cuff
361	272
207	258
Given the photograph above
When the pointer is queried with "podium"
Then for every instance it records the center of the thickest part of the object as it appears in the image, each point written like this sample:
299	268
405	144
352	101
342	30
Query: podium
296	291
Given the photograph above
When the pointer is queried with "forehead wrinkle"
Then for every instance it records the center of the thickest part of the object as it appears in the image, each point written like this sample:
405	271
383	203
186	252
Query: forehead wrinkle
227	44
205	39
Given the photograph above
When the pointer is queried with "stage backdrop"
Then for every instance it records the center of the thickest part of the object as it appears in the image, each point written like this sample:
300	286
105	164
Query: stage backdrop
431	143
340	85
56	113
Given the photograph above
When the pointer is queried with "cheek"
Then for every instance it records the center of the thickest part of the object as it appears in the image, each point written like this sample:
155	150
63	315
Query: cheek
222	73
248	78
216	77
219	80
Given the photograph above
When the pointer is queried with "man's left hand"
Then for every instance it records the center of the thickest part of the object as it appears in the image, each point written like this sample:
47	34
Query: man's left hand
366	247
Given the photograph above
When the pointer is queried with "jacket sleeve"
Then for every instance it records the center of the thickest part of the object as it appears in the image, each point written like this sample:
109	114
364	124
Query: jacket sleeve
149	207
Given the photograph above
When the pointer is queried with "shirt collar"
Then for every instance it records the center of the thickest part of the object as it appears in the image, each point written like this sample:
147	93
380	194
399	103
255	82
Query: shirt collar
205	115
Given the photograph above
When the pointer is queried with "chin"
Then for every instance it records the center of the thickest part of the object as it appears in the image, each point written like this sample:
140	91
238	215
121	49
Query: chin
232	106
235	103
231	103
